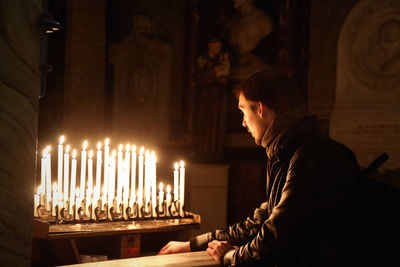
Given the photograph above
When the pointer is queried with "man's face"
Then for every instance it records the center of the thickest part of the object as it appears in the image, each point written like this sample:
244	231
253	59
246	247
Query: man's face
256	117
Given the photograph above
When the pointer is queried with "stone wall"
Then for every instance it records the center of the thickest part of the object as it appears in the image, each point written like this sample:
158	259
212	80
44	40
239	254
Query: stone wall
19	91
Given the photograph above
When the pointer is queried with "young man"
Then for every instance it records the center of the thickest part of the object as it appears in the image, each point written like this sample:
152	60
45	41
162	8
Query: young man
307	219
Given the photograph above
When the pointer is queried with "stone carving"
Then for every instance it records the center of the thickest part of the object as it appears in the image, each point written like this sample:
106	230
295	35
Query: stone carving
366	114
247	27
141	84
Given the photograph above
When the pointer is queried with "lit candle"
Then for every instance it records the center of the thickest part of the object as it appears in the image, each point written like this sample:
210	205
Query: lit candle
36	200
140	189
98	170
48	178
40	192
182	186
90	172
83	168
73	180
168	198
120	175
153	178
43	169
54	199
78	202
133	173
147	177
176	181
111	188
127	163
161	196
106	165
66	173
60	163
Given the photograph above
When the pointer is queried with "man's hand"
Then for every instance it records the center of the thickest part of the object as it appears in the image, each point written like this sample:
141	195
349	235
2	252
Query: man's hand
217	250
175	247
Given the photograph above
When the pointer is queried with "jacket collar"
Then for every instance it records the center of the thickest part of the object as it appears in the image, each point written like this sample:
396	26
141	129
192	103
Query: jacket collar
287	130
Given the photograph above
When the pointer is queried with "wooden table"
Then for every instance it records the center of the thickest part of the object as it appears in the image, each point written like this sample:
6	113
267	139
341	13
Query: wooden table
190	259
64	243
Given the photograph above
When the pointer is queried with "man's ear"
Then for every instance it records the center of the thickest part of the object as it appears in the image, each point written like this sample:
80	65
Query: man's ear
261	109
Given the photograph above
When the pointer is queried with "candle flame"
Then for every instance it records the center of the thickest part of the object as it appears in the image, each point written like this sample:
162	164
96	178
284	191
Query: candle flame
141	150
176	166
48	148
90	154
73	153
120	147
85	145
128	147
168	189
134	148
161	186
182	164
62	138
99	145
67	148
107	141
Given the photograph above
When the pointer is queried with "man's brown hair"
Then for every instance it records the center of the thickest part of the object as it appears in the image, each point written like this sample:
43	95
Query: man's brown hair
274	89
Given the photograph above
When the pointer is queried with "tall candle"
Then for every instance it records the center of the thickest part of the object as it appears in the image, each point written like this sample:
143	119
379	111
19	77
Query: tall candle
66	173
48	178
36	198
43	174
153	178
73	180
161	196
120	175
111	188
182	186
168	198
54	199
133	172
147	177
83	168
140	163
60	164
90	172
98	169
176	181
106	165
127	163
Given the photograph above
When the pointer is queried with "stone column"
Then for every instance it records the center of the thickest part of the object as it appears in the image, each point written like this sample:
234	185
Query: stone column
19	91
84	80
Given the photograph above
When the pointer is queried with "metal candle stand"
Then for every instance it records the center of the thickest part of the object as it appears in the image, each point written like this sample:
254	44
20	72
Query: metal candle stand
102	213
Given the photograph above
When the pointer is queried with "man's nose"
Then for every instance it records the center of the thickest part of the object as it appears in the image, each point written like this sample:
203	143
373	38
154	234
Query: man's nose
244	124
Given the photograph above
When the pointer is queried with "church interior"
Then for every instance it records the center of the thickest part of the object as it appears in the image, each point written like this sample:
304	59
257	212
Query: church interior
161	74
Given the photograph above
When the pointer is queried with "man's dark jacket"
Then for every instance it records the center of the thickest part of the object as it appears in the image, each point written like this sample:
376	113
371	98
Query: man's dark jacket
308	218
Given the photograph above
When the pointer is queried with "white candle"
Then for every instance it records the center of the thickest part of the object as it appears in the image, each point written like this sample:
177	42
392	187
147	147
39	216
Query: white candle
66	173
161	196
176	181
48	178
83	169
147	177
120	175
60	164
73	180
40	192
98	170
36	204
140	163
90	172
182	186
106	165
168	199
111	188
54	199
78	202
127	163
153	178
43	170
133	173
